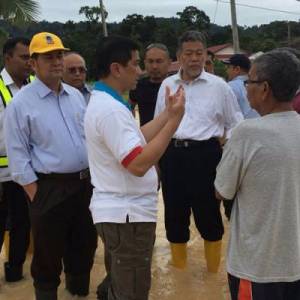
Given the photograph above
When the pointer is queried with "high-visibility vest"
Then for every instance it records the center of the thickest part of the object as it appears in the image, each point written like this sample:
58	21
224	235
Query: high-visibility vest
6	96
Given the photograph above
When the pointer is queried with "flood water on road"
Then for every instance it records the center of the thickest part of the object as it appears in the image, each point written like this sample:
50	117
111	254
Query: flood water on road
168	283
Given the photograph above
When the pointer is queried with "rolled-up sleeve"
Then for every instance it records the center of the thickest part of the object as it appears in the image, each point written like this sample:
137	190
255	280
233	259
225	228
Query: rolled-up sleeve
17	144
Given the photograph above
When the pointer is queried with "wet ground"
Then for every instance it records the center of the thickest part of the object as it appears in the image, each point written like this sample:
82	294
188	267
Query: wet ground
168	283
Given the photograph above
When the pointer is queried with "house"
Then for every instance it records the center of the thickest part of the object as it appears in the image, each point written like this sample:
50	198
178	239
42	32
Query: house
224	51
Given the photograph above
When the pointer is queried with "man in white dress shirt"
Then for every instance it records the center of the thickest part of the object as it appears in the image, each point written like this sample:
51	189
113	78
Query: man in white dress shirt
188	166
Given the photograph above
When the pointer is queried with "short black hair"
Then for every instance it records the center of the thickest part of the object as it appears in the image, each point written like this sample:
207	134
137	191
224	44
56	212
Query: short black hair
114	49
10	45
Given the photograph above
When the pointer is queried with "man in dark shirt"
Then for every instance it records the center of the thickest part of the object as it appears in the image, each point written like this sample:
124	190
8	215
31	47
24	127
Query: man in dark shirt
157	62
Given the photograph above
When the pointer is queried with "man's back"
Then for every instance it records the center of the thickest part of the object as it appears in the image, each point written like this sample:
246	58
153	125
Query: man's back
265	232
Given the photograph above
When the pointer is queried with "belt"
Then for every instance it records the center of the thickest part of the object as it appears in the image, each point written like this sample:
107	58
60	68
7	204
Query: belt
83	174
178	143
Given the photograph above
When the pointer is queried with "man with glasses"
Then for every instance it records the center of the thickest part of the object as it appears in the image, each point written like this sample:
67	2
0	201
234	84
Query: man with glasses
74	73
157	62
260	170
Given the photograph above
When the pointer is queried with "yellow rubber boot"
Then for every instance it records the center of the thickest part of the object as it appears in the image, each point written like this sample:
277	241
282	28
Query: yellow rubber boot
179	255
6	244
30	247
213	255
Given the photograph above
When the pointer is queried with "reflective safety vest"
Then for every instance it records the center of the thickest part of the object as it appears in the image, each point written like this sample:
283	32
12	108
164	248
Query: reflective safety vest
6	96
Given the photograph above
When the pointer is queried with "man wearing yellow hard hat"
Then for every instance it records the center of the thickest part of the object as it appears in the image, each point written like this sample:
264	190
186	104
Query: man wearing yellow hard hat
46	146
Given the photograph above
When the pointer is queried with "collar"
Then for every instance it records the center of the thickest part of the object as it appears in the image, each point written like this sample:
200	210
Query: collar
203	76
6	78
103	87
240	77
85	89
43	90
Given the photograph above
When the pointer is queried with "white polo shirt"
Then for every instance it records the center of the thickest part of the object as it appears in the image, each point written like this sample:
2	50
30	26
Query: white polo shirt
113	140
211	107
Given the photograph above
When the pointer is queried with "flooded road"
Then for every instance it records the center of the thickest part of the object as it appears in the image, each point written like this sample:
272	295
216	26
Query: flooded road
168	283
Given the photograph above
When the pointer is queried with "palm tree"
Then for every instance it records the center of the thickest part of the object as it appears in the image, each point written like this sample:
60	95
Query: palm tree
19	11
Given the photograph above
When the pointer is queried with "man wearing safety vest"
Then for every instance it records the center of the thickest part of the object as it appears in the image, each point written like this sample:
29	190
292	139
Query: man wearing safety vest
13	206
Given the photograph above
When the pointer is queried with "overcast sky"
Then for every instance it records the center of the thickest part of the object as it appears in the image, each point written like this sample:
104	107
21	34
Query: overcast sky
219	13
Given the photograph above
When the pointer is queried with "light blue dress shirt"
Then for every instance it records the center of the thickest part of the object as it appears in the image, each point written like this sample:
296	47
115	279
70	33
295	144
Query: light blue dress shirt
44	132
237	85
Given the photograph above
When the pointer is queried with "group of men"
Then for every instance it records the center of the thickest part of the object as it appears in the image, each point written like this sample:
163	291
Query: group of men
58	147
51	189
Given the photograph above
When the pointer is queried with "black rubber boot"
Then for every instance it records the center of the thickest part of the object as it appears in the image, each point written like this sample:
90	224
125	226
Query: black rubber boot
78	284
45	295
13	273
102	289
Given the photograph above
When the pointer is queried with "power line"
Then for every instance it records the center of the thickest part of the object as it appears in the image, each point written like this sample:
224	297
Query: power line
262	8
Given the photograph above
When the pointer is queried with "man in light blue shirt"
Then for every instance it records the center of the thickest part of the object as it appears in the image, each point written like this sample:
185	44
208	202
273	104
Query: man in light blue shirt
47	156
237	70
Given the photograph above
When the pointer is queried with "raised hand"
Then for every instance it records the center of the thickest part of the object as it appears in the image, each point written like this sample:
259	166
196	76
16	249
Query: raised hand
175	103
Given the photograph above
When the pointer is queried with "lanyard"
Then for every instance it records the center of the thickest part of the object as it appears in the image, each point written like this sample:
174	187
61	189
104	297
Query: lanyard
101	86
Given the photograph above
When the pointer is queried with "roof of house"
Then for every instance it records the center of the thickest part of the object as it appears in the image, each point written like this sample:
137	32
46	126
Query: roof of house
217	48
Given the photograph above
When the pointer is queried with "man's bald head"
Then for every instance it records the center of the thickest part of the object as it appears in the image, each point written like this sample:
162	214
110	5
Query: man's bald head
74	70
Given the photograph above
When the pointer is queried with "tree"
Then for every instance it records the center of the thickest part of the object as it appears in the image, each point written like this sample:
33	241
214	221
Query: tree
194	19
92	13
19	11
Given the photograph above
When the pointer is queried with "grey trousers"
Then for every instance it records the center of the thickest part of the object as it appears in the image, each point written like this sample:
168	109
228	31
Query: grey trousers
128	254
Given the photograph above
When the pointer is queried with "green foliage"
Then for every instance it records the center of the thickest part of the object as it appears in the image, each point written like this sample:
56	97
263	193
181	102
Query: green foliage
92	13
19	11
84	37
220	68
192	18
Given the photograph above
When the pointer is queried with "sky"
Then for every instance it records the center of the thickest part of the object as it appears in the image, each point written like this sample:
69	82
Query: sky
219	12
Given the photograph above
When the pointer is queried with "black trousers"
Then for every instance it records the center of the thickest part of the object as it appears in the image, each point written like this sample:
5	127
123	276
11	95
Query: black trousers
187	175
63	230
14	209
241	289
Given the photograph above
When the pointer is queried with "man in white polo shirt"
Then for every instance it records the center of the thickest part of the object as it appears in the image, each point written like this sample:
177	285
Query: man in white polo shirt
121	159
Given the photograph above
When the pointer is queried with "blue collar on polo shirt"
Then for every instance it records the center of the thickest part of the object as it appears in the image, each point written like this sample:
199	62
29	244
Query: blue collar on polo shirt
101	86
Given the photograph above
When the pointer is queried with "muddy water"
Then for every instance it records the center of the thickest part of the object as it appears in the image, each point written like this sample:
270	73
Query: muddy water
168	283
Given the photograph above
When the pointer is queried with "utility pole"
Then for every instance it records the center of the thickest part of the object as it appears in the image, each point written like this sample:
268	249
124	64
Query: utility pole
103	18
235	33
289	33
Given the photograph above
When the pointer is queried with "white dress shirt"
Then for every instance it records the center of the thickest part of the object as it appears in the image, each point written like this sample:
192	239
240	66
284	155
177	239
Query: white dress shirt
211	107
8	81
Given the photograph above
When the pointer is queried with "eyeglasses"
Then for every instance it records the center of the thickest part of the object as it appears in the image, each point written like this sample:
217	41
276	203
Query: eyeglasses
247	82
74	70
